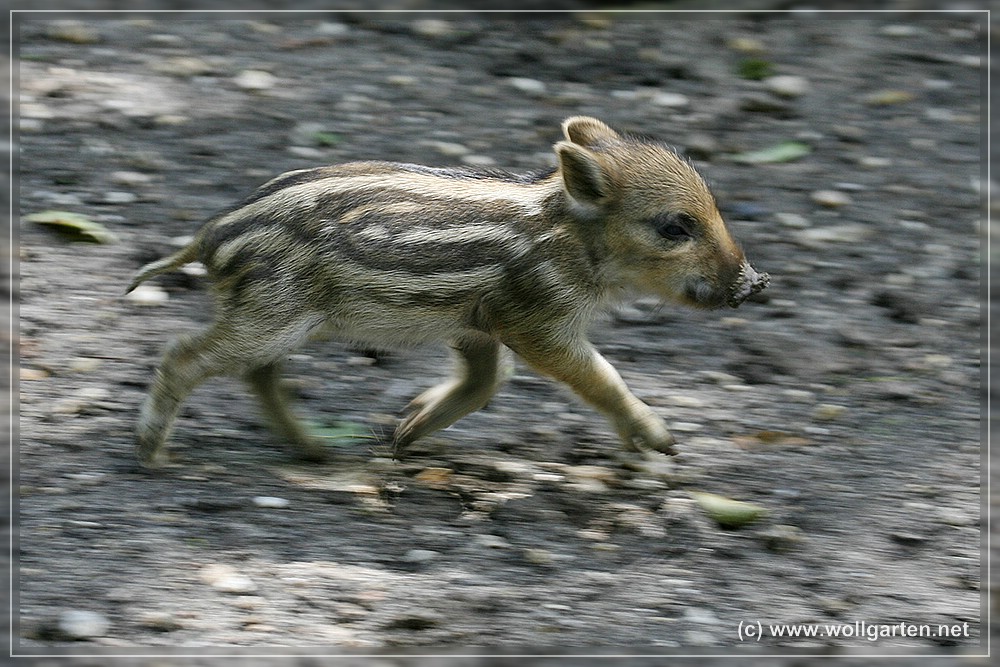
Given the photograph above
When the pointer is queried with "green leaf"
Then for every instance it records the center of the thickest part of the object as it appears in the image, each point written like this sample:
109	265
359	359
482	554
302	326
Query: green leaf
341	434
754	69
727	512
326	138
75	226
786	151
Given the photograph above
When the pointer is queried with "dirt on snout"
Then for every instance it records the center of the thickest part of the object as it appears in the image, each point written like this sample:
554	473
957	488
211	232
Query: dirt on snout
833	419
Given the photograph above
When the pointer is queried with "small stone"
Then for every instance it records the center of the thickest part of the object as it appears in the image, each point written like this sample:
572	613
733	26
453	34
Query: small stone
492	541
227	580
747	45
271	502
908	539
160	621
701	146
253	79
956	517
793	220
874	162
685	427
601	473
763	103
782	537
332	29
83	624
432	28
828	411
529	86
670	100
699	615
539	556
787	86
686	401
449	148
402	80
889	97
115	197
420	556
478	160
130	178
73	32
899	30
830	198
183	66
148	295
817	237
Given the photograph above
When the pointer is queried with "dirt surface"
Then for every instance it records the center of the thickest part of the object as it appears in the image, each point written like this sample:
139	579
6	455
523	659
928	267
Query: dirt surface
845	402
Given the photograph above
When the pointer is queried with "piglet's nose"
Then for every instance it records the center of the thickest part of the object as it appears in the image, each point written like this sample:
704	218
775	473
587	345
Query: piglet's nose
749	282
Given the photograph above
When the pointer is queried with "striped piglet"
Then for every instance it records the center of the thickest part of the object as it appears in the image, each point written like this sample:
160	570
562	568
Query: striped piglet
394	255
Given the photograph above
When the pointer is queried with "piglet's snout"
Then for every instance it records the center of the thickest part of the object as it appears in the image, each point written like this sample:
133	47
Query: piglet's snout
749	282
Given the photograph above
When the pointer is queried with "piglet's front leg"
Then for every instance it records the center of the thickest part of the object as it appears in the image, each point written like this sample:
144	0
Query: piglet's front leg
578	364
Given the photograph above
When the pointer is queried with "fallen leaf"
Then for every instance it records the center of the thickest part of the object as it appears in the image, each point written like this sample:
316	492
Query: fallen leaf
436	478
727	512
786	151
888	97
341	434
76	226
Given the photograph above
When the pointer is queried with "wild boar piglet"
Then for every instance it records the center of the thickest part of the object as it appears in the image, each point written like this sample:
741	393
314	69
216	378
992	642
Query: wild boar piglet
391	255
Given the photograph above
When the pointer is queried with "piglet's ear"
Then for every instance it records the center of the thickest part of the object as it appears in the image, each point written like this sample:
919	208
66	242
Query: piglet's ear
584	177
587	131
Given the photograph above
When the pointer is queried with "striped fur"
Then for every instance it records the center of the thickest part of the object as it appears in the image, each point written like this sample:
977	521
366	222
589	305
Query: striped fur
400	254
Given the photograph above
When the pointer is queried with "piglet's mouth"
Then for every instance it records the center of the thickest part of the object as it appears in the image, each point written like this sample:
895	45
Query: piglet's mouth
749	282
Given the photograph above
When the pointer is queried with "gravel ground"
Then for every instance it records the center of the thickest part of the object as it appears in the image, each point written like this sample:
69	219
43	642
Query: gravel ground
845	402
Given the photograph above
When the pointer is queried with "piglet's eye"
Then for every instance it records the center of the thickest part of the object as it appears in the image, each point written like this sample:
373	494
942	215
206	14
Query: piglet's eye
674	226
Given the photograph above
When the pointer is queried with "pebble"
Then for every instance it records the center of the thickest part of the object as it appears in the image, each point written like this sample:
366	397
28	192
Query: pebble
84	364
820	236
782	537
698	615
83	624
160	621
478	160
227	580
747	45
874	162
115	197
432	28
332	29
492	541
591	473
685	427
956	517
900	30
830	198
130	178
529	86
253	79
183	66
787	85
148	295
449	148
670	100
686	401
420	555
539	556
701	146
271	502
73	32
828	411
793	220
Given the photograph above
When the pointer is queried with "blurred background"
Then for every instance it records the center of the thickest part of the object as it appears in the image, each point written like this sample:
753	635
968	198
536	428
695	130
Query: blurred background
843	407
